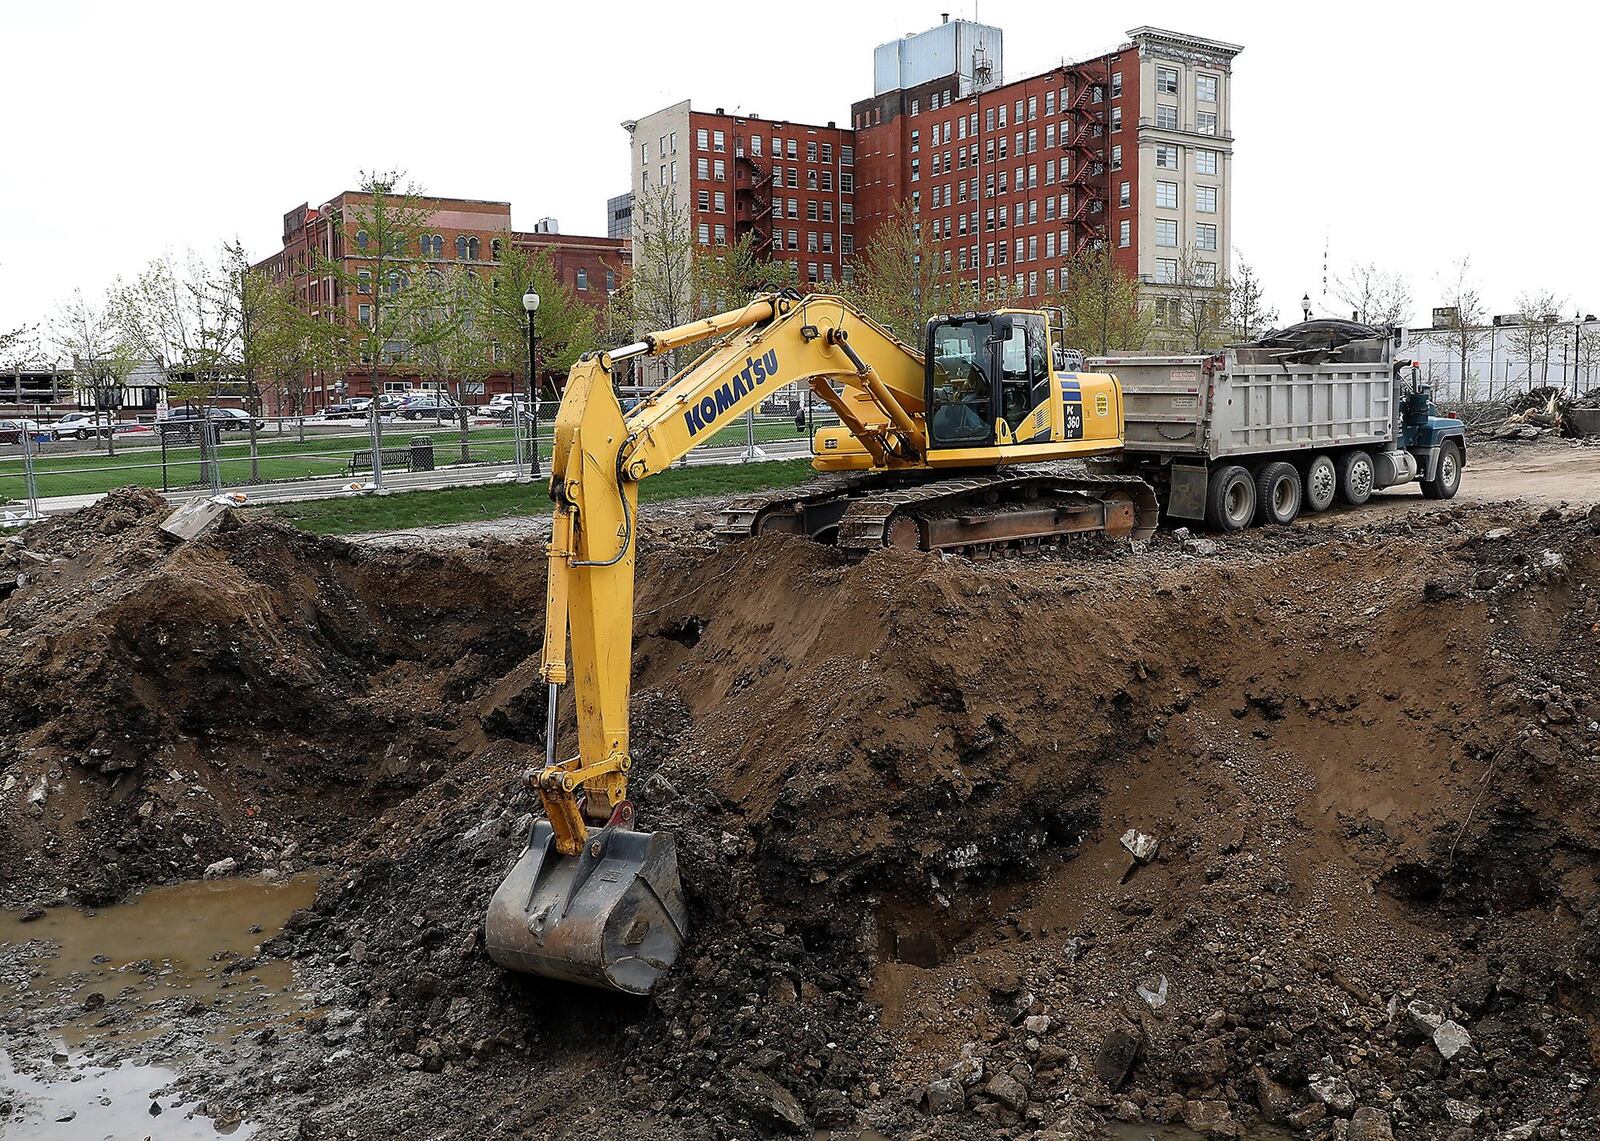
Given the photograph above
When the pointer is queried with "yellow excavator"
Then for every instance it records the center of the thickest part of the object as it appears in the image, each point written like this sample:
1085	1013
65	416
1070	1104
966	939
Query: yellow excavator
945	449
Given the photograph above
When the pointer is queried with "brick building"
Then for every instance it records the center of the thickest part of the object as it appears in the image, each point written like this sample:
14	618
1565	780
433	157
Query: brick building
790	185
458	232
1132	147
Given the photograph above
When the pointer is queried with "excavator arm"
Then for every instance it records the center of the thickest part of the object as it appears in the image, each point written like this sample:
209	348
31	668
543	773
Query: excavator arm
558	913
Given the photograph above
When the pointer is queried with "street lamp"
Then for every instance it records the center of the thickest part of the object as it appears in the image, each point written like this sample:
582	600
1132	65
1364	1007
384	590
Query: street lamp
530	302
1305	305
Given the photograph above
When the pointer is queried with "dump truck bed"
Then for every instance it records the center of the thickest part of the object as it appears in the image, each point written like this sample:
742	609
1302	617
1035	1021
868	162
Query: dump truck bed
1249	403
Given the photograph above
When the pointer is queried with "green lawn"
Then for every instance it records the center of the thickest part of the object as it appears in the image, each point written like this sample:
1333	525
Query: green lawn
283	457
504	500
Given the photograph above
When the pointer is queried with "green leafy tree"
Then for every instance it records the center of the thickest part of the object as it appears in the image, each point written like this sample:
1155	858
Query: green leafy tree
900	276
183	315
726	277
288	345
1101	303
382	229
565	324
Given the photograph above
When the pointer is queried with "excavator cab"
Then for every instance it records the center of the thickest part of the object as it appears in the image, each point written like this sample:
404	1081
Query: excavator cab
985	370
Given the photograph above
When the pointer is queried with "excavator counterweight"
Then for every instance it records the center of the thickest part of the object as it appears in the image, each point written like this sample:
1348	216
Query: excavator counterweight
956	447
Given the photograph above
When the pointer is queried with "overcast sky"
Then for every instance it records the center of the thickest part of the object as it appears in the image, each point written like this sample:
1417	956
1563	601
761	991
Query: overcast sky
1394	136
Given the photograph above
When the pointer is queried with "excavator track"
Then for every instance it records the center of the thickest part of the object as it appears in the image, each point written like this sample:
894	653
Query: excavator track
995	511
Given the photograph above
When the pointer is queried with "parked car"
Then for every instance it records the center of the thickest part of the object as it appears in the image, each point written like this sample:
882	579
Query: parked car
344	411
226	419
82	425
435	405
11	430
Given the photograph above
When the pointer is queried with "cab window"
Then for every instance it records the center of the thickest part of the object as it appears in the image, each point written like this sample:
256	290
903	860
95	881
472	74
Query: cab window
961	405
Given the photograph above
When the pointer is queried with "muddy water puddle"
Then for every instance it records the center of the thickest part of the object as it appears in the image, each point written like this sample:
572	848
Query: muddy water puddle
75	1101
182	951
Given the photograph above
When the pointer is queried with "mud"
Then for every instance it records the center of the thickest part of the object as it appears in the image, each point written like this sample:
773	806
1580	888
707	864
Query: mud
1365	750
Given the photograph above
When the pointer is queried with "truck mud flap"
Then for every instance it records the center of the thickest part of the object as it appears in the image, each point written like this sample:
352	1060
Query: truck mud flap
1187	491
612	917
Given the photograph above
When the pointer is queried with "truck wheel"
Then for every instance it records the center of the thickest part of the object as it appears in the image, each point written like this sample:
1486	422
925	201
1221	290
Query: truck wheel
1320	483
1356	477
1277	494
1446	480
1231	499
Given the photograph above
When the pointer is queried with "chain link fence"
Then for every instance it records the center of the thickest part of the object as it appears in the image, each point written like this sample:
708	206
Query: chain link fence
43	468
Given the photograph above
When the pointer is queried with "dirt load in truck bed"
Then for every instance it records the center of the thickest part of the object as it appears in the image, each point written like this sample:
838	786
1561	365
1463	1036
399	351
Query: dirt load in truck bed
1364	755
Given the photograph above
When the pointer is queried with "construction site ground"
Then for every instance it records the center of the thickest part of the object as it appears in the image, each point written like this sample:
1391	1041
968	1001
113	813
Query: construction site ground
1287	833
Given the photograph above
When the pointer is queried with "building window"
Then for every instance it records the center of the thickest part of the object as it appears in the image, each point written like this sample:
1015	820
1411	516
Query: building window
827	152
1033	247
1167	80
1049	103
719	141
792	148
1125	233
1205	122
916	169
611	281
794	207
1166	270
721	233
1205	235
827	211
1166	156
755	145
1125	194
1116	156
811	241
719	171
361	239
1205	88
1116	84
988	119
827	243
702	168
364	312
811	151
1167	232
1205	162
1167	195
1167	116
847	156
720	202
794	239
1016	115
1033	106
847	183
916	107
1205	199
432	245
1205	273
494	249
1116	118
916	141
827	180
581	278
847	244
364	281
702	139
791	178
1050	245
703	200
811	271
704	233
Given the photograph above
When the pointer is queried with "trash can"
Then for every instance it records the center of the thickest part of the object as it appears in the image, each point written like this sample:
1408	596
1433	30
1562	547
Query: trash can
421	453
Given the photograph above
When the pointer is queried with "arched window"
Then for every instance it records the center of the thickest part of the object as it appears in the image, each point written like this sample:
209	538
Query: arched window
361	239
435	279
432	246
472	248
397	282
461	248
494	249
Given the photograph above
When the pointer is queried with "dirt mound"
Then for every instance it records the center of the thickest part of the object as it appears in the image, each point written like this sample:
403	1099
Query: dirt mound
240	695
900	789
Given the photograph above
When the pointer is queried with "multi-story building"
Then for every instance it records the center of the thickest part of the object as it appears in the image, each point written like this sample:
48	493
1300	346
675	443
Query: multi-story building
466	232
619	216
1131	148
791	186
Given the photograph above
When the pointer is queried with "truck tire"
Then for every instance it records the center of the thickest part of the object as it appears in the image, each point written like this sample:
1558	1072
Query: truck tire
1277	494
1231	499
1320	484
1356	477
1446	479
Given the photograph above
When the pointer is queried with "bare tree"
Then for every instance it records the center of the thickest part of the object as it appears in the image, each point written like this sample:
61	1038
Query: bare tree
1534	336
660	290
1197	302
183	315
1374	296
1463	330
1249	315
1588	338
102	359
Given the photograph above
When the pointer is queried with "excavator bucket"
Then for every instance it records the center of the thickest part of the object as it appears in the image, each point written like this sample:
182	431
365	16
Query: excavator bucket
612	916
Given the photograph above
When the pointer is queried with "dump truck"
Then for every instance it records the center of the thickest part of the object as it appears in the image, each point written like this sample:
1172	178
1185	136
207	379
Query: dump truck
1260	433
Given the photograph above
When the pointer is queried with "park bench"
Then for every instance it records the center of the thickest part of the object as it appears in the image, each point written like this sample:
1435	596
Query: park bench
392	458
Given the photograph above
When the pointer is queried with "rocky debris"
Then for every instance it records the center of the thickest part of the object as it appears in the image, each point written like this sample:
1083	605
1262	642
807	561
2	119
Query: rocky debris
1119	1050
221	869
196	518
1369	1124
1334	1092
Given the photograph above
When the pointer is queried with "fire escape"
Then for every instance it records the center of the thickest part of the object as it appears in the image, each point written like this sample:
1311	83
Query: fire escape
1084	140
752	198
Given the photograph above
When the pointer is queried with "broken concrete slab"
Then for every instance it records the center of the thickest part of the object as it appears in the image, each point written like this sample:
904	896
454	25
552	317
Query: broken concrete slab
195	518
